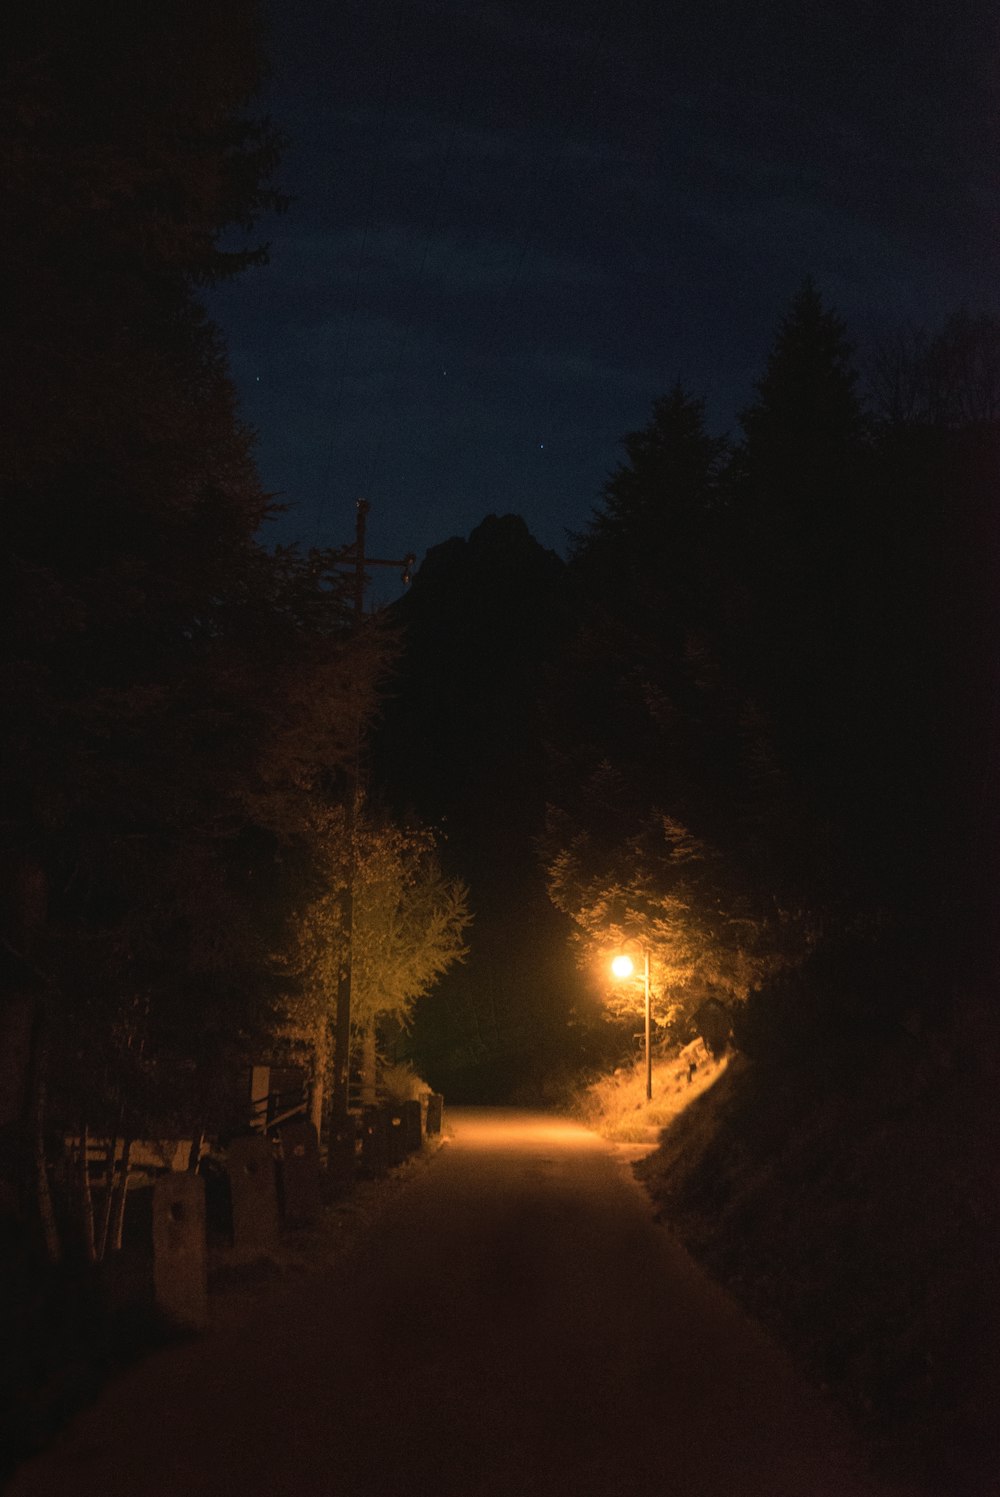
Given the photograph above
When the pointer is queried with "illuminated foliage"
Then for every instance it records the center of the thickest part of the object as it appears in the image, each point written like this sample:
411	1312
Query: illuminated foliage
669	891
409	922
694	795
408	928
764	752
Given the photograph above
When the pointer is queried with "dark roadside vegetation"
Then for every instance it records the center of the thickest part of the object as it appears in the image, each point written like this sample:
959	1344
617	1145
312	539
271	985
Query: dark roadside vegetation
762	745
73	1327
750	724
858	1221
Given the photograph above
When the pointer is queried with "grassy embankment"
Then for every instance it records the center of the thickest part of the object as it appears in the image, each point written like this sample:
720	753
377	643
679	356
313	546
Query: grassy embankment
859	1222
615	1106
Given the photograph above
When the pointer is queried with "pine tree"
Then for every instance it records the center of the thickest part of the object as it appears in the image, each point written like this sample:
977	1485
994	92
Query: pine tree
657	785
648	548
809	526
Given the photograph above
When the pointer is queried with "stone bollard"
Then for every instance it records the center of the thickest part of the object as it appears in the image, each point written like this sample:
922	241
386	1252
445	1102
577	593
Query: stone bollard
412	1136
253	1187
435	1113
300	1172
395	1134
180	1260
340	1154
374	1141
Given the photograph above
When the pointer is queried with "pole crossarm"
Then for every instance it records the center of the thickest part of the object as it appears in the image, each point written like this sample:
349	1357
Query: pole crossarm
353	558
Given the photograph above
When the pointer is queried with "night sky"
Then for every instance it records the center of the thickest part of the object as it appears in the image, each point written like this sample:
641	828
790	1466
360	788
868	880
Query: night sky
514	225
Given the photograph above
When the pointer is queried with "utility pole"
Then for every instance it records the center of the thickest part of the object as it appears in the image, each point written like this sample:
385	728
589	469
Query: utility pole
342	1134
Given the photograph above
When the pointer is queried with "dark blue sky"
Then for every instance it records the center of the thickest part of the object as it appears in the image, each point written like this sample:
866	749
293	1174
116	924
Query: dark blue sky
516	224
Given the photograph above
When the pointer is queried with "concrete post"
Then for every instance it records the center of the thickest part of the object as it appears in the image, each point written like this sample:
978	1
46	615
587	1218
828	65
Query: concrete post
412	1135
300	1172
340	1154
180	1270
395	1135
435	1113
374	1141
253	1188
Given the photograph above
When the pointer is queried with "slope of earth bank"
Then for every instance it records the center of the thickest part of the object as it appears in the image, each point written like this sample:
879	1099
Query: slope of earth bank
860	1224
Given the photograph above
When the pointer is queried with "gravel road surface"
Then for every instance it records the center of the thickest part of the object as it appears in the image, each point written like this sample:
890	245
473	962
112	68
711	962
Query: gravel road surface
515	1325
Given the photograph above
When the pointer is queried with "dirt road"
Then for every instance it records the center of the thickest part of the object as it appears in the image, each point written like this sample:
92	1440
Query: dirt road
517	1325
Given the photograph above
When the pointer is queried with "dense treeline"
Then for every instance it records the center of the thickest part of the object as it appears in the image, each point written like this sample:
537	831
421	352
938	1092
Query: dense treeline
459	745
182	705
747	723
778	736
773	732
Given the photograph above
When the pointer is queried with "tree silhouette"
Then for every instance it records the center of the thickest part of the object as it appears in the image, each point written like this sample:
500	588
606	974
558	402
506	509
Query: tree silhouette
178	701
460	747
659	769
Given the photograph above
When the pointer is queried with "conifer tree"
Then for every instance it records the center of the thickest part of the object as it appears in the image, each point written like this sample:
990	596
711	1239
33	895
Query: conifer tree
177	699
656	783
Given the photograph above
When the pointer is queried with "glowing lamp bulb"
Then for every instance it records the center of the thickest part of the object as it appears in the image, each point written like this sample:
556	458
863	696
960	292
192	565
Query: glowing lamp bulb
622	966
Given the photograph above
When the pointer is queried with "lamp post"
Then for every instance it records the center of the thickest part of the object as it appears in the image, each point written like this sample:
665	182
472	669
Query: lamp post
623	967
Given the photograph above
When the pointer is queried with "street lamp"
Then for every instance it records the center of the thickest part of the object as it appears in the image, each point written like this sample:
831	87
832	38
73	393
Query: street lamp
623	967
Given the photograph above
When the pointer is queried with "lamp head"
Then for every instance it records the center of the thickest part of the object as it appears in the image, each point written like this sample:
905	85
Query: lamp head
622	965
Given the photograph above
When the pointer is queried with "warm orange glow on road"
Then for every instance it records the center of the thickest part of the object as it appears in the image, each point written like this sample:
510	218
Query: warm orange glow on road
511	1130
